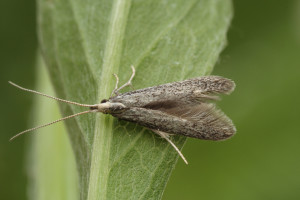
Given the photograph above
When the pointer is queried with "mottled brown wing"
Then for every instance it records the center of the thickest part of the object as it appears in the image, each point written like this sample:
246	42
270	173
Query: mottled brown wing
181	108
196	89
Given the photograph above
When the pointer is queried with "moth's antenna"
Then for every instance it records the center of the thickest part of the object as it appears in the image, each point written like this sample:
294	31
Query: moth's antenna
165	136
51	97
64	118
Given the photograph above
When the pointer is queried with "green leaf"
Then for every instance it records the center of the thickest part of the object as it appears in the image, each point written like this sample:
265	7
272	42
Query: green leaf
85	42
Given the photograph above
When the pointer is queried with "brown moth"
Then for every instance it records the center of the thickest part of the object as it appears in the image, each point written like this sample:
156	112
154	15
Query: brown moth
183	108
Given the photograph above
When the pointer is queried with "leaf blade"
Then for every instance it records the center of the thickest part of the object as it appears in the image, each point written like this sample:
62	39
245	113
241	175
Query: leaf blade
166	41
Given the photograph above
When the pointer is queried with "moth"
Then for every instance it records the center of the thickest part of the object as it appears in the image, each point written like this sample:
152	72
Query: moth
183	108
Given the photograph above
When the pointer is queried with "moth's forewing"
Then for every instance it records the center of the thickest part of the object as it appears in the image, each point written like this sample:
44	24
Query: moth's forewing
201	121
187	90
180	108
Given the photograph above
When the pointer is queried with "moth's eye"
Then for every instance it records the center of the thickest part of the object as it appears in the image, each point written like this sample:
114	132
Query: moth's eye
104	101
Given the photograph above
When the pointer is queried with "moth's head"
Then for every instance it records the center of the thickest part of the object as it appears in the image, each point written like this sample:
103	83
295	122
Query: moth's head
107	107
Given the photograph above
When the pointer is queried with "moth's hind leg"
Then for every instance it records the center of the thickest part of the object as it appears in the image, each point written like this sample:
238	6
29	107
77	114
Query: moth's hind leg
166	137
129	82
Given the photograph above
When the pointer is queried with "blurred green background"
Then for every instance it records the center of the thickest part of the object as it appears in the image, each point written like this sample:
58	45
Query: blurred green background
262	57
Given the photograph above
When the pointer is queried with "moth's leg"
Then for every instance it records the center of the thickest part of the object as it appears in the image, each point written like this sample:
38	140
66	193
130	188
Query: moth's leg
166	137
116	86
116	91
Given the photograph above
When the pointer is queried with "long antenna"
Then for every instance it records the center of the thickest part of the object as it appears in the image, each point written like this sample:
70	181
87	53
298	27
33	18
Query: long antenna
58	120
51	97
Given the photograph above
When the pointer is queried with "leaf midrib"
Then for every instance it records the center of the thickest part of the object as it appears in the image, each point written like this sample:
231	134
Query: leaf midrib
103	130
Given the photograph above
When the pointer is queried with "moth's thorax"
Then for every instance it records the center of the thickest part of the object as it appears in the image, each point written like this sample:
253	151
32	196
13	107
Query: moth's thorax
109	108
